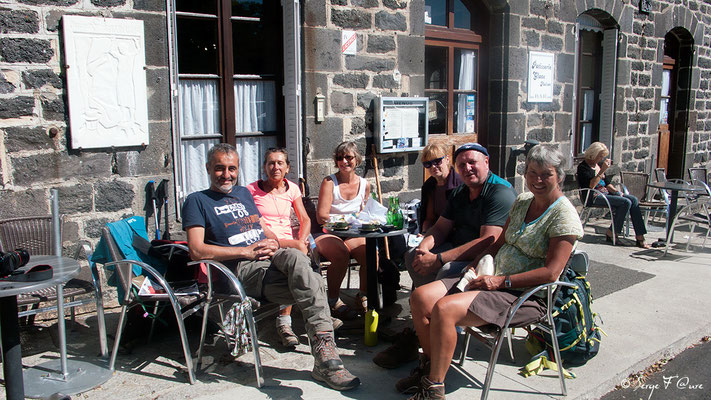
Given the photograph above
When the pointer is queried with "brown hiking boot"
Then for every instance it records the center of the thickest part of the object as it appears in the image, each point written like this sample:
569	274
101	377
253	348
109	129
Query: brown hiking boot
405	348
429	390
287	336
323	348
411	384
339	379
328	366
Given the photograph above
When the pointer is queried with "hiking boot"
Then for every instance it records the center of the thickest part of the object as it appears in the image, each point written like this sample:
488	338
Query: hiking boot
411	384
340	379
287	336
326	357
405	348
337	323
361	305
429	391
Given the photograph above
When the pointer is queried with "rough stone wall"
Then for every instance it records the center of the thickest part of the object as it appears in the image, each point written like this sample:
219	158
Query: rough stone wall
389	62
546	25
94	186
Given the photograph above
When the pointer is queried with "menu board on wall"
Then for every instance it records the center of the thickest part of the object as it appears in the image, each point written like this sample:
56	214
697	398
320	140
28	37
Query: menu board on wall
540	77
401	123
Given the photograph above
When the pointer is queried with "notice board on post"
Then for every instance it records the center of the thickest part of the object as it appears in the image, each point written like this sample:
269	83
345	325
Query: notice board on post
400	123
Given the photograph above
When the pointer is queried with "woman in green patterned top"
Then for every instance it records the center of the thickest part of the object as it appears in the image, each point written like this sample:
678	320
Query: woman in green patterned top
538	239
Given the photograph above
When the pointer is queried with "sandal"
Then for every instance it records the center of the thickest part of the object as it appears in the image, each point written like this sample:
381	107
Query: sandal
343	312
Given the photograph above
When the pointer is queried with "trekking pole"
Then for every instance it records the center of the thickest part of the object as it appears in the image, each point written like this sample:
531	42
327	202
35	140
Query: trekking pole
162	199
151	194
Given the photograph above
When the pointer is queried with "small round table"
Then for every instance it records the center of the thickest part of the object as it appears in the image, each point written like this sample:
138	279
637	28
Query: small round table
375	292
53	376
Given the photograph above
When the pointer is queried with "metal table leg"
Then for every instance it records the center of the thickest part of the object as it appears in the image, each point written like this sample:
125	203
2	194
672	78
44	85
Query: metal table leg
11	349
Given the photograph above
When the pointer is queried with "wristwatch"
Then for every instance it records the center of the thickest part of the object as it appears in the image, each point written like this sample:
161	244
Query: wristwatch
439	258
507	282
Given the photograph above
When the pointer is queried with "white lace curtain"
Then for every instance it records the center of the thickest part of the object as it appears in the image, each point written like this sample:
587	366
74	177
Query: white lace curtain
466	82
255	111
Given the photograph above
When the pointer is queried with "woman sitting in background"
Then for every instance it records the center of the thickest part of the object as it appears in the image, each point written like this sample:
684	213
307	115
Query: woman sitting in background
343	193
275	198
538	239
438	187
591	174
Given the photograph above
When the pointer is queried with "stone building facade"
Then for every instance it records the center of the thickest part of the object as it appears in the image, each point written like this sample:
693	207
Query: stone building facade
397	43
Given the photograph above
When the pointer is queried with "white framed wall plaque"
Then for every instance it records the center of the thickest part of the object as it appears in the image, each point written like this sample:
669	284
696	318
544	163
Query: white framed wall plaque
401	123
540	77
106	81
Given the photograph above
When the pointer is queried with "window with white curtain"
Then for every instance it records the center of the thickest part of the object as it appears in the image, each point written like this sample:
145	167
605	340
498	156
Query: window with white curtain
230	75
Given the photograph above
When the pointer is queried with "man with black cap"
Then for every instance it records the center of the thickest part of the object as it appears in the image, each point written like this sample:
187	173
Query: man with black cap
474	218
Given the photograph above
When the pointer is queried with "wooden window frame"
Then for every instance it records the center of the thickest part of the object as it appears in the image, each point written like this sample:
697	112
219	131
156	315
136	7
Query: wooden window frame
457	38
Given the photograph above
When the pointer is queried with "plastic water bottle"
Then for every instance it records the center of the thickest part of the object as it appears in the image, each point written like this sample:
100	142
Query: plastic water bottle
371	328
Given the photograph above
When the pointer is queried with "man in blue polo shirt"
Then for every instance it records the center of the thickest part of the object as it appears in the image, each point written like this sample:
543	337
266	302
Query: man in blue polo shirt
474	218
223	223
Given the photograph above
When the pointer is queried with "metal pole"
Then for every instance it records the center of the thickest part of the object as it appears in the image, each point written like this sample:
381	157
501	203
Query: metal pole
57	244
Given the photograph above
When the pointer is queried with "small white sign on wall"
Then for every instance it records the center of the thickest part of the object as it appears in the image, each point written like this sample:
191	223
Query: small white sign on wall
540	77
106	81
349	42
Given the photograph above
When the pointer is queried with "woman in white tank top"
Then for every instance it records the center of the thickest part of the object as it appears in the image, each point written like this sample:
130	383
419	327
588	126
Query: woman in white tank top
343	193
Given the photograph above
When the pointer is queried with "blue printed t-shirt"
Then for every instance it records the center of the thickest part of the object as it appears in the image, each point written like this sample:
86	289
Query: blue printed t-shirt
491	208
230	219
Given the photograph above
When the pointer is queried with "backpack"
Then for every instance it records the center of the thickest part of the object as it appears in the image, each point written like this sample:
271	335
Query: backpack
578	335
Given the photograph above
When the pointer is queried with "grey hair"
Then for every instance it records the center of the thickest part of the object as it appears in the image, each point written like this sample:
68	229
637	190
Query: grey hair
547	156
224	148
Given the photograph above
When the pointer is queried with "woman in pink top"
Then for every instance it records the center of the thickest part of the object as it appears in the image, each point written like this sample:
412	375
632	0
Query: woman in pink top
343	193
275	197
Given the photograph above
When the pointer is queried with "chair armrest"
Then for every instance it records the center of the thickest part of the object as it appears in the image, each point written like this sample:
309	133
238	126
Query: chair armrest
174	245
152	272
530	292
231	278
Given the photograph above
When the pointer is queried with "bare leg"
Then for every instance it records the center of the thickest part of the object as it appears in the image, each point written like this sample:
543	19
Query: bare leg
447	313
356	248
334	250
422	301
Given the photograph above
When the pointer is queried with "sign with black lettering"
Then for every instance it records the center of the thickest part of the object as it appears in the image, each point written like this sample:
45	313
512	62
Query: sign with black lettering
540	77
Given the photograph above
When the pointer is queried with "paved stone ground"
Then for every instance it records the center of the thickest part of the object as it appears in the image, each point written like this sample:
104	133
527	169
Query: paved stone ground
652	307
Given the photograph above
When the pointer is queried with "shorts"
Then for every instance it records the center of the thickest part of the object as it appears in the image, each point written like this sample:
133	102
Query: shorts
493	306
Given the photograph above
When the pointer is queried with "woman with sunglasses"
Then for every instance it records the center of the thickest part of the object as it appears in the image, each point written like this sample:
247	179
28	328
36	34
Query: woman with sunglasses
343	193
275	197
438	187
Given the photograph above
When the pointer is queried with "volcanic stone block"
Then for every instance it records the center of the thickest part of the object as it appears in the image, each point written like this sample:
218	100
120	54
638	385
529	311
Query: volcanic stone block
21	50
113	195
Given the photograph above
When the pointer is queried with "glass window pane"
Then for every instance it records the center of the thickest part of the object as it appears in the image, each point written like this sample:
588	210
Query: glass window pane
248	8
435	67
436	12
251	156
197	6
588	105
666	77
465	113
257	45
437	112
462	15
197	46
586	138
664	112
465	69
255	106
194	157
198	107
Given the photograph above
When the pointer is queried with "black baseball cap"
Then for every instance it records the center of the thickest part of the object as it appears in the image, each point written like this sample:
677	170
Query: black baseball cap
471	146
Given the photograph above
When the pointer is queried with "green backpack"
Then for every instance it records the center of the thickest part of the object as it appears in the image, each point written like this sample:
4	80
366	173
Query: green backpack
578	335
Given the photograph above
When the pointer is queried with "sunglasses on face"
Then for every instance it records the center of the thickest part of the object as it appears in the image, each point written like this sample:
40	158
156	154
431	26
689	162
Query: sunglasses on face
347	158
430	163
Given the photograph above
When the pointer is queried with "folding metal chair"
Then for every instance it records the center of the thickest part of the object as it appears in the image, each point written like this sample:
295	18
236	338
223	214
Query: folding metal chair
494	337
586	195
117	238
